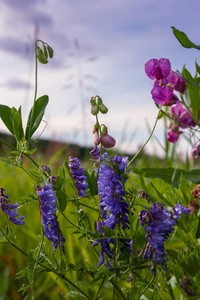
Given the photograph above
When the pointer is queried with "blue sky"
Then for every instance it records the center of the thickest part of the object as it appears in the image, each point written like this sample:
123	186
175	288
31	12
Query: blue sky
105	44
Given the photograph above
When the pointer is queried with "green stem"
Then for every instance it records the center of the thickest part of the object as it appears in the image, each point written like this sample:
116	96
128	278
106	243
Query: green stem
30	158
8	145
148	285
140	150
100	287
46	268
118	289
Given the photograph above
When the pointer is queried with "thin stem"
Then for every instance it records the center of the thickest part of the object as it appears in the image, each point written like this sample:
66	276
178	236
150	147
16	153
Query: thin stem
140	150
118	289
30	158
8	145
46	268
100	287
148	285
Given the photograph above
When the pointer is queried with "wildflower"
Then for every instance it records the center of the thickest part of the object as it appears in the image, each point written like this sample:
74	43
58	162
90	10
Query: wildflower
9	209
163	95
50	223
107	140
158	223
195	152
77	173
95	136
158	69
95	153
175	80
185	286
173	136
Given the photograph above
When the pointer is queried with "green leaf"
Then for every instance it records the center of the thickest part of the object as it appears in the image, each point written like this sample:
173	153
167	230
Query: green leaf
194	94
164	174
36	115
62	199
183	39
17	126
164	295
6	117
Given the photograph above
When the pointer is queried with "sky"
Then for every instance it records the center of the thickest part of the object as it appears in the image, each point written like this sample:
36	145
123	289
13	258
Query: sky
100	48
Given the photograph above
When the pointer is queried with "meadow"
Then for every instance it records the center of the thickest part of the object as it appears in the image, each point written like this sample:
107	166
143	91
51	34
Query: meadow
94	224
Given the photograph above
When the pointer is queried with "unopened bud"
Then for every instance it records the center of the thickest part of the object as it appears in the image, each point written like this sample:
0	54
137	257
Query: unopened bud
45	169
52	180
99	100
44	50
103	109
50	50
94	109
107	141
40	56
95	137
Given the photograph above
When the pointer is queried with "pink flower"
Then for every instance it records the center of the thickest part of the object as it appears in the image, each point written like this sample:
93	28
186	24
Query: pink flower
176	80
173	136
163	95
158	69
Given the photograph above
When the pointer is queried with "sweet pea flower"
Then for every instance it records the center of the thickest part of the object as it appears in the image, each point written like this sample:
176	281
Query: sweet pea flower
158	69
163	95
176	80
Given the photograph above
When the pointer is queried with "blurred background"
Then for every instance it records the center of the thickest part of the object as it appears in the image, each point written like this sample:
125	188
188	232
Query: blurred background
100	47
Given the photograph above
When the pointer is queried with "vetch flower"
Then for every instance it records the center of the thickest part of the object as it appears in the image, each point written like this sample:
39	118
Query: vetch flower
77	173
176	81
158	223
50	223
9	209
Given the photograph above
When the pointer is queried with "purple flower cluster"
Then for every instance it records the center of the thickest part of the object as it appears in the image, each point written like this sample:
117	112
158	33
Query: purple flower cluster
181	119
165	81
9	209
77	173
114	209
50	223
158	223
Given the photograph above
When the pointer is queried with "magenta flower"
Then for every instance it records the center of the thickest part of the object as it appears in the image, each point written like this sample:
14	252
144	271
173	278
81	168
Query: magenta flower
173	136
163	95
176	80
195	152
158	69
182	116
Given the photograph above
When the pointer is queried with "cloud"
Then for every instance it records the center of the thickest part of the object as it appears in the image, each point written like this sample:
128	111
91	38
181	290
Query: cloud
15	84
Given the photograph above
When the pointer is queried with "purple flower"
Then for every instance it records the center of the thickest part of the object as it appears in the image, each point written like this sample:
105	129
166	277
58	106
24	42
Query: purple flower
9	209
158	223
77	174
195	152
163	95
114	209
182	116
176	80
158	69
173	136
50	223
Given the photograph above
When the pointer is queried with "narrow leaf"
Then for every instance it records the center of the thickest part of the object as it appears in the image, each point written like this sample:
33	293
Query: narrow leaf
6	117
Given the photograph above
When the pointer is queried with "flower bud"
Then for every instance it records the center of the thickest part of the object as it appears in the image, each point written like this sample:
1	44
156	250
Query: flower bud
95	137
99	100
50	50
107	141
94	109
103	109
44	50
45	169
193	205
52	180
40	56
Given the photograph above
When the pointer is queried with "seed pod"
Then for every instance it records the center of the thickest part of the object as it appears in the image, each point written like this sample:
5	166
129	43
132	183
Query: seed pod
44	50
40	56
50	50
